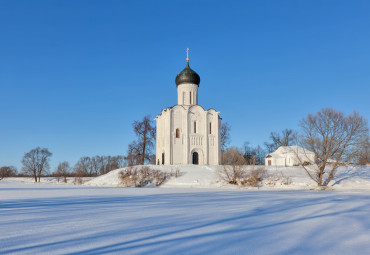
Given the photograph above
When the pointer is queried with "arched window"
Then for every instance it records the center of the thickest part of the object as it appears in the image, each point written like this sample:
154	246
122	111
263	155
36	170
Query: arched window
195	126
162	158
177	133
210	128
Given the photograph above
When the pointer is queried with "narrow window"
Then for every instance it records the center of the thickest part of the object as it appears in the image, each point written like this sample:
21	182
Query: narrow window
210	128
190	97
162	158
177	133
195	126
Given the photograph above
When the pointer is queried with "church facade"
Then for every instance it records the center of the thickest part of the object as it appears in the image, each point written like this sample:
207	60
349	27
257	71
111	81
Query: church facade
186	132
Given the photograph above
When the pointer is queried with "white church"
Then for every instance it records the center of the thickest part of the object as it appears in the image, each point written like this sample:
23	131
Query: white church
186	132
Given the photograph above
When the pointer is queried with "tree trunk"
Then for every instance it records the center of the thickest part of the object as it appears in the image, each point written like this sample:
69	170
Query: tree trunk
35	175
143	154
321	175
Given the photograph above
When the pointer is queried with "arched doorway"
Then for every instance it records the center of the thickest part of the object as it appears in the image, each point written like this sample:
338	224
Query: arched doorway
195	158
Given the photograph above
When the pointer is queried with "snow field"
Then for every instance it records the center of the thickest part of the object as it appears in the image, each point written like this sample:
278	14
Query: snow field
62	219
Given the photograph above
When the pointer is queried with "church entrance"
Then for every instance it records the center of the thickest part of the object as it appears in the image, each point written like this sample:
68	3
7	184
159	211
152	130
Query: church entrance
195	158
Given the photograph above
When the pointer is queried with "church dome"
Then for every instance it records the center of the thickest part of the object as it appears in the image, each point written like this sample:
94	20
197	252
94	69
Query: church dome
187	75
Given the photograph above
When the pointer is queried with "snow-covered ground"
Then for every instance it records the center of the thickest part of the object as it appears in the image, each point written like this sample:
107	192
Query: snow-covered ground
347	178
350	178
192	214
61	219
46	180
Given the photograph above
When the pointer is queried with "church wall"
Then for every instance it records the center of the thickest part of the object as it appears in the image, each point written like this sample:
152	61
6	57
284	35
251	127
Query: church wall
197	133
212	130
187	94
199	137
163	139
178	143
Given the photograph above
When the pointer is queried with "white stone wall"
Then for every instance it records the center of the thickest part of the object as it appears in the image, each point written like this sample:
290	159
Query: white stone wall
290	156
187	94
201	137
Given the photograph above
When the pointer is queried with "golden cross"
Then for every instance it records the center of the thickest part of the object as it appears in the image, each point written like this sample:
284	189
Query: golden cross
187	55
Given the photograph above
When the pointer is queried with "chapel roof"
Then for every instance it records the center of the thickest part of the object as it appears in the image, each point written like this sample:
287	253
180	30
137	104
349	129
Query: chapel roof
187	75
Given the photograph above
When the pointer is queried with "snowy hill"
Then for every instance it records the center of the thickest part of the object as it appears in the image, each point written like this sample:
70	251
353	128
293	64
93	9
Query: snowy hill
347	178
190	177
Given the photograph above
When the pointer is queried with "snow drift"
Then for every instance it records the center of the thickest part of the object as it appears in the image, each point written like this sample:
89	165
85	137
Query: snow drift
347	178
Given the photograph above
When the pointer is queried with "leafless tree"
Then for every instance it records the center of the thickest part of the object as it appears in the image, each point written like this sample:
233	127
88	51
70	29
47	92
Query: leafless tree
140	151
120	161
110	163
225	135
83	167
63	169
253	155
235	172
334	138
7	171
233	156
233	161
133	154
36	162
364	153
98	165
286	138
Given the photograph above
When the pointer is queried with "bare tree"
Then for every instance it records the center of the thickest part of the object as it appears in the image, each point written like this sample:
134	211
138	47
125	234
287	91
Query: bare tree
121	162
233	156
83	167
7	171
233	161
225	135
286	138
36	162
334	138
364	153
140	151
260	154
62	170
253	155
234	171
110	163
96	164
133	154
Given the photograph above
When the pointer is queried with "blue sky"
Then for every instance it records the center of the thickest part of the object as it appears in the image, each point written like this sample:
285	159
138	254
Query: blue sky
74	75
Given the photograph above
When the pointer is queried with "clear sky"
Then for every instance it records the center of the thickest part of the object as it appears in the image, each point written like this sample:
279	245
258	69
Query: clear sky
74	75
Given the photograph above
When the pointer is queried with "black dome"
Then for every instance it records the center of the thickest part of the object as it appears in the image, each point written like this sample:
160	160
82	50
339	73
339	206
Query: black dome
187	76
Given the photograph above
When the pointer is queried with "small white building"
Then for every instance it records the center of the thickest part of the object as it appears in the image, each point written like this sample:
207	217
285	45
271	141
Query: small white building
289	156
186	132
